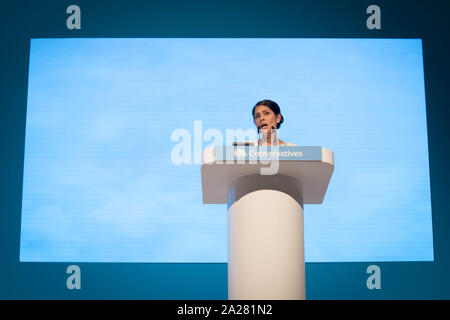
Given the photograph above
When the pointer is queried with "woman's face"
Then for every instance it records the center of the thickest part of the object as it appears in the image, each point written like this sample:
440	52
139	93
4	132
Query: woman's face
265	118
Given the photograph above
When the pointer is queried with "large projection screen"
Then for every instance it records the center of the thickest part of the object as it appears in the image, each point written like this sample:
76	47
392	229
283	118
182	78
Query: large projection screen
104	116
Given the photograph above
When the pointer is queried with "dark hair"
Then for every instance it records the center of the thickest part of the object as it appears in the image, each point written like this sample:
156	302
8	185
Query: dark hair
272	105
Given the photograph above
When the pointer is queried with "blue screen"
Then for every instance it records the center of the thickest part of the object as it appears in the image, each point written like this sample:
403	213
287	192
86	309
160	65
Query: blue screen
101	183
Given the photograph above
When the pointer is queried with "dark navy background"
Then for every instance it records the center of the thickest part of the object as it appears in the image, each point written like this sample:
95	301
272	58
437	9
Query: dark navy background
23	20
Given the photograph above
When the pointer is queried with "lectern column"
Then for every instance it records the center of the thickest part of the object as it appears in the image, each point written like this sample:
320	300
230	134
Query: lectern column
265	239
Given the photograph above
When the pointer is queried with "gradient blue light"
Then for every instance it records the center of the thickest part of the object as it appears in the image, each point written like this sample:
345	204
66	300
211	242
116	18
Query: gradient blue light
99	183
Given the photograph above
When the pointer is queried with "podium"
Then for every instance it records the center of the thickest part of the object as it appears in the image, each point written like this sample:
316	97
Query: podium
265	189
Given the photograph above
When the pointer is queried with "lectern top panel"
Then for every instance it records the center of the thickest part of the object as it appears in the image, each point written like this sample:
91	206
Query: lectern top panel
311	166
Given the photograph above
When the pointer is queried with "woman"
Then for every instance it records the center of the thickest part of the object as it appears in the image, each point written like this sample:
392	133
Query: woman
268	119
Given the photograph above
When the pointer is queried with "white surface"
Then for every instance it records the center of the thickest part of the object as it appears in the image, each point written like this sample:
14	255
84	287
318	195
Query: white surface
313	176
266	247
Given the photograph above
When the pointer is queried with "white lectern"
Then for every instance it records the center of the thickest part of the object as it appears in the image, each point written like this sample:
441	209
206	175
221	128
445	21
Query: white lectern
265	189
